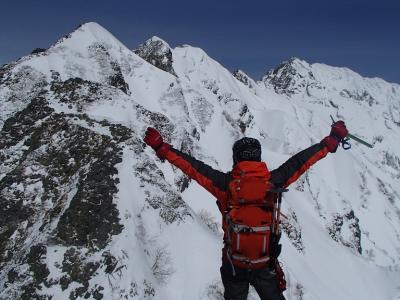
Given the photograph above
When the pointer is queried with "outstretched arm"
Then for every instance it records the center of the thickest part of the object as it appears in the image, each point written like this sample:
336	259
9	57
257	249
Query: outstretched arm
214	181
295	166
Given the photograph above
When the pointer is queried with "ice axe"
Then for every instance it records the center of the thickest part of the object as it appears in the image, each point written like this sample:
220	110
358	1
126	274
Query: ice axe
345	142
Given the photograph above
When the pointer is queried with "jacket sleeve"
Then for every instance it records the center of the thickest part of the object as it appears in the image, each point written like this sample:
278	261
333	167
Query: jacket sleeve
216	182
295	166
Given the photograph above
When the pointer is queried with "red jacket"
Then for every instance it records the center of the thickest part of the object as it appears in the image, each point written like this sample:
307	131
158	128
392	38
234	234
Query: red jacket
217	182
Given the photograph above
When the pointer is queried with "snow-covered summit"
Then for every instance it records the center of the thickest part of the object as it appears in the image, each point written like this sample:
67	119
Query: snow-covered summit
156	39
85	35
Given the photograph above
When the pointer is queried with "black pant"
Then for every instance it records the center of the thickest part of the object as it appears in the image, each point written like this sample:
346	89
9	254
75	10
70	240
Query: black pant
237	287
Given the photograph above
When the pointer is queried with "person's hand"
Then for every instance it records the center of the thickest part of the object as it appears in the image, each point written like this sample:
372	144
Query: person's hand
339	130
154	139
337	134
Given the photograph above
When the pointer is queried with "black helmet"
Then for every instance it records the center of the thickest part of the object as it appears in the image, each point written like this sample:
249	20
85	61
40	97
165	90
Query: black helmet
246	149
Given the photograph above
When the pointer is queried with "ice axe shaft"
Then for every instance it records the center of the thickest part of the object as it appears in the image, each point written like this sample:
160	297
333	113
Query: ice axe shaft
357	139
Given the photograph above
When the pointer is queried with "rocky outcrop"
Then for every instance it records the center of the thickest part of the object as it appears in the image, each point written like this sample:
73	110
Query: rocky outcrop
346	230
286	78
58	189
244	78
158	53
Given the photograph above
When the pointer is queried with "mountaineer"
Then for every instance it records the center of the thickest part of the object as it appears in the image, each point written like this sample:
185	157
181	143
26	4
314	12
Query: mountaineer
249	198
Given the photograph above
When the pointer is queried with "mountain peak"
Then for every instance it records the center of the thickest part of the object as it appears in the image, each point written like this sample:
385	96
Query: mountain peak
86	34
294	64
158	40
92	26
296	76
298	63
286	78
157	52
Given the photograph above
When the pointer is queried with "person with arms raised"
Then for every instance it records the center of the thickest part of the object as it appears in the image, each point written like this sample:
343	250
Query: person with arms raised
249	198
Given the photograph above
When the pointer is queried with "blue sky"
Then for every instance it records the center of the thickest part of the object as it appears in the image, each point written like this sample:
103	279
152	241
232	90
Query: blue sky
253	35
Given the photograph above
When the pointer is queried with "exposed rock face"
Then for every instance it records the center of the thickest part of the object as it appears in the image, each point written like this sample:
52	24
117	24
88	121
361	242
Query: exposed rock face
294	77
110	68
243	78
60	181
293	230
242	118
38	50
346	230
158	53
286	79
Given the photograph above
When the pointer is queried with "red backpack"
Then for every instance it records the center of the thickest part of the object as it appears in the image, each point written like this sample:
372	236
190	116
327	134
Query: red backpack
252	215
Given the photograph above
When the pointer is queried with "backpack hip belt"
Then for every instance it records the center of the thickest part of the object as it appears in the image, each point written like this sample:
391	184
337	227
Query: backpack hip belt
248	261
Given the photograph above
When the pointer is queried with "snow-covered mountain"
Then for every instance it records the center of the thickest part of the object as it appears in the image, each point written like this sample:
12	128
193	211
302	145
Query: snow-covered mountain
87	211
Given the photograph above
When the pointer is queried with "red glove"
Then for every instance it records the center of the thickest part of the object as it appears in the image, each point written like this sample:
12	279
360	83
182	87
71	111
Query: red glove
154	139
338	133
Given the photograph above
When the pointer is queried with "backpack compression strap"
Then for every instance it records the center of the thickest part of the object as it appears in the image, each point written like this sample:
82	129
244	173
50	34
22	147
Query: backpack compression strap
240	228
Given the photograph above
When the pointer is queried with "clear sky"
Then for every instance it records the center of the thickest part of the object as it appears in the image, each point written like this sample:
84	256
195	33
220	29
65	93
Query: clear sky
253	35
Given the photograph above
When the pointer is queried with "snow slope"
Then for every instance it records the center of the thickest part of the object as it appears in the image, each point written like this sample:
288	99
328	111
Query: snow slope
88	212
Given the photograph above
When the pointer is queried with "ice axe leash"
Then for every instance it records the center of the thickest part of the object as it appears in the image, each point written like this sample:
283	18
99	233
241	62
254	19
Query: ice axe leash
345	142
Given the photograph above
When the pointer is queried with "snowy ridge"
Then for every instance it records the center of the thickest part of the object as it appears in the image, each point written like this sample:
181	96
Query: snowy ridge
88	212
